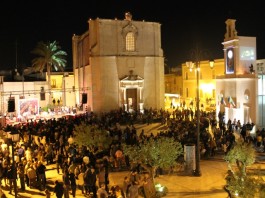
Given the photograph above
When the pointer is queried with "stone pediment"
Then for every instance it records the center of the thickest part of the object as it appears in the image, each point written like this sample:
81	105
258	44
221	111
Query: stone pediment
132	80
129	28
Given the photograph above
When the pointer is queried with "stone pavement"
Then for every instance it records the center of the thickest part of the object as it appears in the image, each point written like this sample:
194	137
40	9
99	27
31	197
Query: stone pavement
209	185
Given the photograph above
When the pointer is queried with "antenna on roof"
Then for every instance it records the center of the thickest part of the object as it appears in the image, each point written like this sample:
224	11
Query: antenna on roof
16	53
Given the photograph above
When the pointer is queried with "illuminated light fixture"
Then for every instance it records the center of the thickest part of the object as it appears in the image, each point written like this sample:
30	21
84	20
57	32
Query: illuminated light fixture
211	63
161	190
190	65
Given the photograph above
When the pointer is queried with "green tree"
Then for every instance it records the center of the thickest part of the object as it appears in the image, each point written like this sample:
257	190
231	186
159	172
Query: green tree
155	152
48	56
91	136
240	181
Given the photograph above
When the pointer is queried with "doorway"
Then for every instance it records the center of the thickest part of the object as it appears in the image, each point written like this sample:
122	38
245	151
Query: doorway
131	99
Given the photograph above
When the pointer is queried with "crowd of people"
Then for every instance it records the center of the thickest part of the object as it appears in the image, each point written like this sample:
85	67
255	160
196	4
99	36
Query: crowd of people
44	142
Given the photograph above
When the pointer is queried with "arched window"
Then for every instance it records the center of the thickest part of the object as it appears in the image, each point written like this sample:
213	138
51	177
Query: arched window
130	41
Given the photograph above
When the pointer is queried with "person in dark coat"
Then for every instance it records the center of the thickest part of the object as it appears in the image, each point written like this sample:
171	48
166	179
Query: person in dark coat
41	168
72	184
243	132
59	162
106	167
11	176
90	179
66	183
58	189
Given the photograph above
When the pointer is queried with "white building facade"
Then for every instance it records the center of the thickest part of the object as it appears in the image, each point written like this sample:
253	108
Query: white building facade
236	90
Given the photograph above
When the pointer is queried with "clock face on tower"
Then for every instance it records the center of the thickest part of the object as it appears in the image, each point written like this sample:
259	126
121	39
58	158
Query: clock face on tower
230	54
230	61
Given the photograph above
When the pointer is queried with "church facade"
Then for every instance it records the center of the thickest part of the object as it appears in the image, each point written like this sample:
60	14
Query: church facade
119	64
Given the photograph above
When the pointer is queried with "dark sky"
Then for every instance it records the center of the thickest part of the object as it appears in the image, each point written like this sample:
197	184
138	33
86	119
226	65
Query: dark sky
184	25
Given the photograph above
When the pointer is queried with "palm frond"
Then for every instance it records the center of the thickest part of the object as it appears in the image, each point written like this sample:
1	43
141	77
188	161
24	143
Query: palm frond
48	54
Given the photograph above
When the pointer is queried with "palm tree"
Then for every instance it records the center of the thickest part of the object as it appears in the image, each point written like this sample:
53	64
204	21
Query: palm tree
48	55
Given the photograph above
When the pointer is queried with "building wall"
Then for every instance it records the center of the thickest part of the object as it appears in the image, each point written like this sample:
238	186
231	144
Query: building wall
62	88
105	83
106	37
247	53
173	83
259	68
207	83
15	89
110	62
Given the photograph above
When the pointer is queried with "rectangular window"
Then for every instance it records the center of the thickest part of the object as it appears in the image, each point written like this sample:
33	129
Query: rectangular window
53	85
42	94
130	42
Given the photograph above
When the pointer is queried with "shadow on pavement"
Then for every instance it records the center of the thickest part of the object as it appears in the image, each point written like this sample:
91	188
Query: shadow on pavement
30	192
211	193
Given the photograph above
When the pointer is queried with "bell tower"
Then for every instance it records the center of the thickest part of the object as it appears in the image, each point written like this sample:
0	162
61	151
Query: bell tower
230	47
236	89
231	32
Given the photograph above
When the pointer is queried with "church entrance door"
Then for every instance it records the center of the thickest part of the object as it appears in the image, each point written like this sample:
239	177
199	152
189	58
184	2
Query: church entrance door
131	99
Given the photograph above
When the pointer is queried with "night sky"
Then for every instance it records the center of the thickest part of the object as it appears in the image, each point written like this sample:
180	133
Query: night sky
184	25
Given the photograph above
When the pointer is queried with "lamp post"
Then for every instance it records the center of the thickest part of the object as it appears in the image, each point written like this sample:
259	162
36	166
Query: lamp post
23	85
64	88
190	65
13	137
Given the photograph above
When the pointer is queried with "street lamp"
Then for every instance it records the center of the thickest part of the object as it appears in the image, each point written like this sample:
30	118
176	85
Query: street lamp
64	88
23	85
190	65
13	137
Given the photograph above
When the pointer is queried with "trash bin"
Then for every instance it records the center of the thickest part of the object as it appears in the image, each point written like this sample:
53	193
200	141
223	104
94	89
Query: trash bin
189	157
